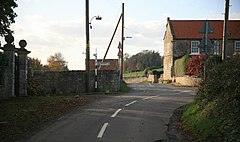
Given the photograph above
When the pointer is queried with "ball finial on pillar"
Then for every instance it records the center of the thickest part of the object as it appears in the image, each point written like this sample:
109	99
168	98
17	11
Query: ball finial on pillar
22	43
9	39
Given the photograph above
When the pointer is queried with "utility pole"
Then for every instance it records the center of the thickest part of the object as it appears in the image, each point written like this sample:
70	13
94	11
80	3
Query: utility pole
87	61
96	71
225	29
122	42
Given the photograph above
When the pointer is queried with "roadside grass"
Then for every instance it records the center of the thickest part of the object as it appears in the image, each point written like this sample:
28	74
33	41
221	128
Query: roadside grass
214	114
133	74
21	115
198	122
159	69
124	87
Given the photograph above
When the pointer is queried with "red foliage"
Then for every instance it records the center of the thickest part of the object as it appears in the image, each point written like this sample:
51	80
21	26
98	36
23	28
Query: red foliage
195	65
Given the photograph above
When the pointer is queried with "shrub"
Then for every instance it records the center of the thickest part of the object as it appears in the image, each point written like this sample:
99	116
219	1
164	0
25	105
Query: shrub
34	88
195	65
180	66
222	86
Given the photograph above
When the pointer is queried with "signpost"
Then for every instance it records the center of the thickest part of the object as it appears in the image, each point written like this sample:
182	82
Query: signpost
205	44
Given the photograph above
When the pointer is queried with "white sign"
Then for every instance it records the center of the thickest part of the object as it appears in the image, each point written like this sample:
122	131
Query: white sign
103	63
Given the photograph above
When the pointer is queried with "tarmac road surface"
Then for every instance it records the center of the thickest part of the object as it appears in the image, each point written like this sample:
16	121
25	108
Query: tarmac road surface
142	115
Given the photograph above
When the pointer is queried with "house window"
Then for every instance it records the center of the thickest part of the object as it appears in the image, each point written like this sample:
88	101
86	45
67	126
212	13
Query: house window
237	47
216	47
194	47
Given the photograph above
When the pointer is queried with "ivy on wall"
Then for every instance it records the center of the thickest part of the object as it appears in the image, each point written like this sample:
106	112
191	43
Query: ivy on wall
180	66
196	65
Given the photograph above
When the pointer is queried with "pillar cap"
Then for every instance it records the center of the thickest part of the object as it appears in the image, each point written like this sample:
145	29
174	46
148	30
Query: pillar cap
22	43
9	39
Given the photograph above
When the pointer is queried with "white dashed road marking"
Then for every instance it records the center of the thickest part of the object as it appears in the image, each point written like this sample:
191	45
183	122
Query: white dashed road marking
115	114
130	103
100	134
149	98
104	127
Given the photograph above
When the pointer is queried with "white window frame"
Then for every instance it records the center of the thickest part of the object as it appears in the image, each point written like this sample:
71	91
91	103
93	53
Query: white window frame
237	46
216	47
194	47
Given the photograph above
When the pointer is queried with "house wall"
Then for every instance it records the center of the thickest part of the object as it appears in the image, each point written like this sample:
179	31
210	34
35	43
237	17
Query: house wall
230	48
181	48
74	82
168	54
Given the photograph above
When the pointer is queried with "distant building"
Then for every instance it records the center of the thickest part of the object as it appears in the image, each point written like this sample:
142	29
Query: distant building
113	64
182	37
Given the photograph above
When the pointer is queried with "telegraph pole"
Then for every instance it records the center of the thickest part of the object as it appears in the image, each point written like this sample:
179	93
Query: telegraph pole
122	42
87	61
225	29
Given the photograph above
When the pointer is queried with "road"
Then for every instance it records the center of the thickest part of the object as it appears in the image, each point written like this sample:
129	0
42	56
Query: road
142	115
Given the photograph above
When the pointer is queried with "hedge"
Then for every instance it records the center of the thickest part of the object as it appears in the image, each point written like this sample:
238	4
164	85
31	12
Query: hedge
180	66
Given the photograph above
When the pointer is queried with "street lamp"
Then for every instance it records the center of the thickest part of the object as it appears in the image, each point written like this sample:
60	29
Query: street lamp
97	18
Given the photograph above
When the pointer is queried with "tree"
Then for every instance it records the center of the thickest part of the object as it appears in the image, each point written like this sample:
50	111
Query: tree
142	60
126	56
36	64
7	16
57	62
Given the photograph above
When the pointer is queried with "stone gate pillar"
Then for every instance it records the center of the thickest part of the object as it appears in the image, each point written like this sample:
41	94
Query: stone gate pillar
23	68
9	50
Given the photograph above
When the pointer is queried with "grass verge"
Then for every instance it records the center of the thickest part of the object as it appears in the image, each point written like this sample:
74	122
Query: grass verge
21	115
133	74
199	124
124	87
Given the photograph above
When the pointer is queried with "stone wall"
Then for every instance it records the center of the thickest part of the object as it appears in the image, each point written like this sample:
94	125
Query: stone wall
74	82
135	79
2	82
108	81
188	81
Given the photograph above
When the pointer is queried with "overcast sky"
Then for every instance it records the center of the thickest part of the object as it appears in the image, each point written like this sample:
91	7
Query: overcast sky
51	26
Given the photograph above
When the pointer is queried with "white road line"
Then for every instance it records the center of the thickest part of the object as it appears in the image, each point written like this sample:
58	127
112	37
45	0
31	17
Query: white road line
130	103
100	134
115	114
149	98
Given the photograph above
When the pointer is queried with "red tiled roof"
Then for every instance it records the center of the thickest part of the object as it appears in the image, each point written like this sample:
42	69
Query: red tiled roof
189	29
113	64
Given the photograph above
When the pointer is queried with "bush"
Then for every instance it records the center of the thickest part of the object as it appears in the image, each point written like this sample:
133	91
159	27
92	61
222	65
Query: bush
196	65
220	95
34	88
180	66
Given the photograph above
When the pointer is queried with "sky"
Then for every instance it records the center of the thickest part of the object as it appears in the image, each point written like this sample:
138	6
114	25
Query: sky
51	26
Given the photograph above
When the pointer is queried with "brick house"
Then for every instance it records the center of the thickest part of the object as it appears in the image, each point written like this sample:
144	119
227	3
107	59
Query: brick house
113	64
182	37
